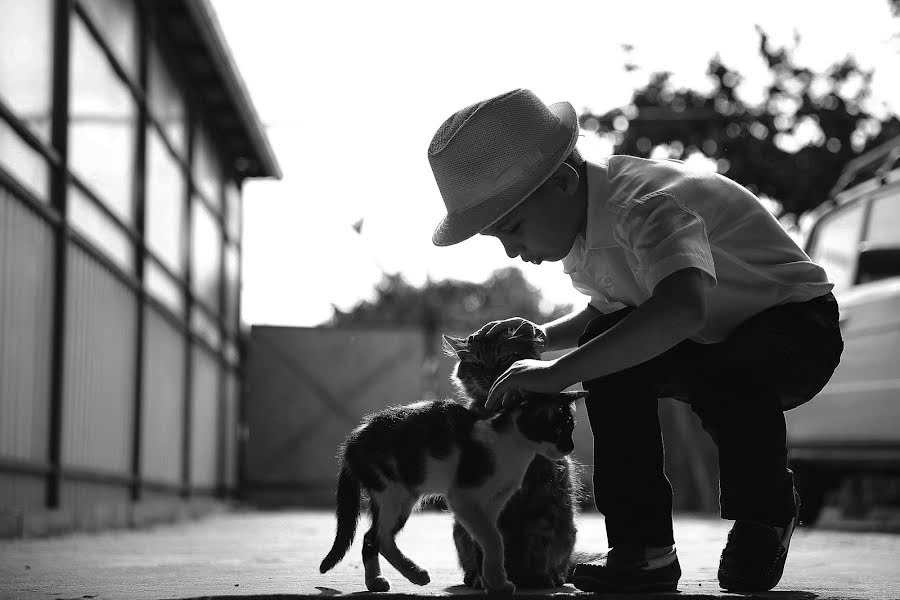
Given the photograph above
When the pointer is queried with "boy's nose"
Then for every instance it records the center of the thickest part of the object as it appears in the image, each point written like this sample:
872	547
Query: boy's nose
512	249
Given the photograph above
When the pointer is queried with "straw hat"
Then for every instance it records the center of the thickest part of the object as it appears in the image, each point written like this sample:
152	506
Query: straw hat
490	156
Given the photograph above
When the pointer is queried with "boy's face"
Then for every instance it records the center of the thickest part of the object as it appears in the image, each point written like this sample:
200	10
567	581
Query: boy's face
543	227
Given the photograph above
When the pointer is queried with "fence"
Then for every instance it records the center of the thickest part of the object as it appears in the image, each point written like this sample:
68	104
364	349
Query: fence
306	388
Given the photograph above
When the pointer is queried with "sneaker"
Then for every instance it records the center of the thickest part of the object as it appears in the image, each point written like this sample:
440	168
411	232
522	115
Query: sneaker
753	559
626	570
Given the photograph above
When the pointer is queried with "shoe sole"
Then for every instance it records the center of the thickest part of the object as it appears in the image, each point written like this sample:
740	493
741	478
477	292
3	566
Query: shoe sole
589	584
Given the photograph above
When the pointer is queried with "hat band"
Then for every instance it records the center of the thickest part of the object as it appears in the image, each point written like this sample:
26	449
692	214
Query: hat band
558	138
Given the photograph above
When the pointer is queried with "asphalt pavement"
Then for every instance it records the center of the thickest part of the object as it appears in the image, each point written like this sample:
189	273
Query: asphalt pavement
277	554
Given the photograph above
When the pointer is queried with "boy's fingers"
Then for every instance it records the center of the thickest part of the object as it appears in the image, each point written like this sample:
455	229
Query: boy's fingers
485	329
498	326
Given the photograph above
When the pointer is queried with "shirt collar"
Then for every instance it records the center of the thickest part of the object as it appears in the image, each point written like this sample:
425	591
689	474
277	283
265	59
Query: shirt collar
599	224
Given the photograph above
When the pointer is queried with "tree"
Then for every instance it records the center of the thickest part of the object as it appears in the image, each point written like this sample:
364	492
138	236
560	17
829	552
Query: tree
760	147
450	305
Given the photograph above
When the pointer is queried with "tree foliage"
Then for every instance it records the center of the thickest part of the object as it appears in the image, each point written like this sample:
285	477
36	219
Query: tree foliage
450	305
753	144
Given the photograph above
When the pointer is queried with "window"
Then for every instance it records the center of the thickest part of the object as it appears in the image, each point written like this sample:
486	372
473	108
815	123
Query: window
233	210
24	162
117	22
166	102
207	171
163	288
884	222
232	286
206	329
206	256
91	222
26	62
836	242
101	124
165	203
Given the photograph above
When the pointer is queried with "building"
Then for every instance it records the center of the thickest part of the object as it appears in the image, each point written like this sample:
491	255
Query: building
125	135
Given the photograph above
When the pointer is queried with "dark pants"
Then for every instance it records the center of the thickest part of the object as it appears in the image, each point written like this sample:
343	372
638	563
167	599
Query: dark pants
739	388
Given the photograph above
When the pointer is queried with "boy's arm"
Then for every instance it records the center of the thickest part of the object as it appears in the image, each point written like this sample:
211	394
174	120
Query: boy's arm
560	334
675	311
564	332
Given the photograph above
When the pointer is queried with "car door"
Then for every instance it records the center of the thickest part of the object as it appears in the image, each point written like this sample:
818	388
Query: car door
853	421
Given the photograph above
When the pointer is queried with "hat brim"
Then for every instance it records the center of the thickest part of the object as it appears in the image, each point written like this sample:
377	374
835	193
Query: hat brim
457	227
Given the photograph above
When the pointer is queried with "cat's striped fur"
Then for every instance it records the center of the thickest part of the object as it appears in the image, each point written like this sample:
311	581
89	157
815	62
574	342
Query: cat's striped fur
538	522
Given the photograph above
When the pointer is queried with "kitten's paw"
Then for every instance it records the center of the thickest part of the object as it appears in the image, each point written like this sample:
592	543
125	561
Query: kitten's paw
378	584
473	580
420	577
507	587
497	582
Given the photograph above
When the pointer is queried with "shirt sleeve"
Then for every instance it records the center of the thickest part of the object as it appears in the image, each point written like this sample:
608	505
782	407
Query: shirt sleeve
665	237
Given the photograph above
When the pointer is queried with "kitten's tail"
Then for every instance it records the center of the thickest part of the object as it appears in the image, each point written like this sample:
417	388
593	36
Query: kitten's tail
347	513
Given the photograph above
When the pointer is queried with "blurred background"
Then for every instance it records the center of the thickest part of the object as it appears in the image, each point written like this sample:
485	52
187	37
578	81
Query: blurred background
215	223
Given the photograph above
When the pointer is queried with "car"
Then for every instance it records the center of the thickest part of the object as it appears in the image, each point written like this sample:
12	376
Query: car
852	428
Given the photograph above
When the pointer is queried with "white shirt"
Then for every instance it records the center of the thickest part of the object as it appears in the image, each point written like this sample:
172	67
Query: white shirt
647	219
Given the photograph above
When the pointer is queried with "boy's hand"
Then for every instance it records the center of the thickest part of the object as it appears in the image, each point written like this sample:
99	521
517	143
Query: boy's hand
495	327
528	375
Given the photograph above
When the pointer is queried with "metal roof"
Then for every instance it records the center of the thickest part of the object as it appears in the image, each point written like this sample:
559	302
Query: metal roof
200	43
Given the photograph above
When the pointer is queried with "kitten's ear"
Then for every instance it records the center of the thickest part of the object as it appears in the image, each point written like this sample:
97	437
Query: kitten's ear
454	346
573	395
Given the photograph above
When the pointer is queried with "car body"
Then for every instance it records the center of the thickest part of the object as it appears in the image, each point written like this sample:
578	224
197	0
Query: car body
853	425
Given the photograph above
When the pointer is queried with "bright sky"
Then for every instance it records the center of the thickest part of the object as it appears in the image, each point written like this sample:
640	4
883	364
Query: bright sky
351	93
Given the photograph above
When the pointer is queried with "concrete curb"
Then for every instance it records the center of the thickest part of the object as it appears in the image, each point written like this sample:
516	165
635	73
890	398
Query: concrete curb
23	523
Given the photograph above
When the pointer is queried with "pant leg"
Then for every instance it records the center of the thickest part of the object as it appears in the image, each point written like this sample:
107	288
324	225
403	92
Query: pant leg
630	485
776	360
739	388
746	422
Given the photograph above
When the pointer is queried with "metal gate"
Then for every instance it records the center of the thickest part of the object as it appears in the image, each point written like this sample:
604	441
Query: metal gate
305	389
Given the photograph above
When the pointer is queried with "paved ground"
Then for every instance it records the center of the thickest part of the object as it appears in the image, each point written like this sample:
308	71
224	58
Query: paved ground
277	555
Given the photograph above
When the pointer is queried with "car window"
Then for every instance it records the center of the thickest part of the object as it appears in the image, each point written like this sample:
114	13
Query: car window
835	243
884	223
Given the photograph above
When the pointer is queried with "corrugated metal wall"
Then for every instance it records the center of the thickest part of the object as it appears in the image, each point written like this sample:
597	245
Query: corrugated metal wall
205	421
162	411
86	338
230	431
99	368
26	283
21	490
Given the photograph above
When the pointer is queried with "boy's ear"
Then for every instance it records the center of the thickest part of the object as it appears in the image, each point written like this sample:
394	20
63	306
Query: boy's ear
566	178
453	346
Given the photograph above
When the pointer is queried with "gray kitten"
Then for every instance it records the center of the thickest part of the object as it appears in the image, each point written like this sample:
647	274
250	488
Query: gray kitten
538	522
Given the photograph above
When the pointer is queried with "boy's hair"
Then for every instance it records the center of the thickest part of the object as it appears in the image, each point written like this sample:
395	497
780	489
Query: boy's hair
576	161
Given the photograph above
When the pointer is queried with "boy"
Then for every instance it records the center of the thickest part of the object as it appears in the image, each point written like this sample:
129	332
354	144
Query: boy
696	292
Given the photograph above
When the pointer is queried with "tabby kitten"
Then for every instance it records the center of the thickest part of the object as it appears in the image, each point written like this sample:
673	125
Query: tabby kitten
538	522
404	453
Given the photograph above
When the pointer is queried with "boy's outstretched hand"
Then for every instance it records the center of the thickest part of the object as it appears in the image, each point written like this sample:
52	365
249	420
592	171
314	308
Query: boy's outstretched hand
530	375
